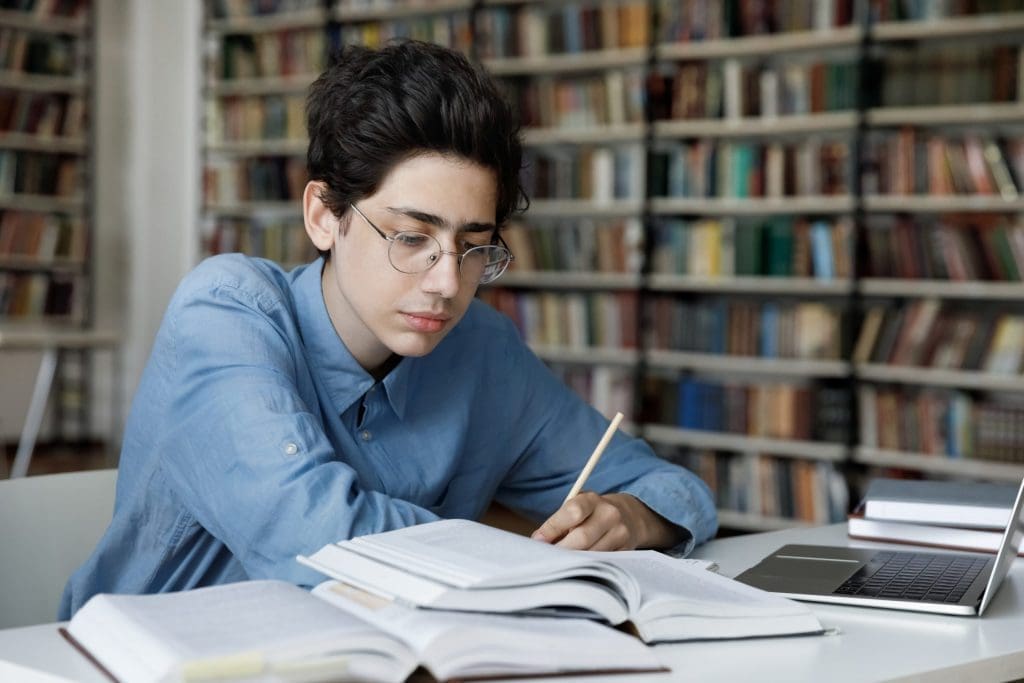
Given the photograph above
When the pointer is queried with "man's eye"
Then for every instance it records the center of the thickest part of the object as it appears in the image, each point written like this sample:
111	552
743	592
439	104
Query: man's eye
411	239
466	246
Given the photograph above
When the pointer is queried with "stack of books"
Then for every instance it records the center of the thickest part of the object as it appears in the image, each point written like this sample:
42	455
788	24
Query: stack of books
941	514
456	598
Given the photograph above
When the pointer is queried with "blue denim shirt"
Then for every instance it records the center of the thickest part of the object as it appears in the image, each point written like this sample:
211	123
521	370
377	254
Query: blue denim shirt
246	445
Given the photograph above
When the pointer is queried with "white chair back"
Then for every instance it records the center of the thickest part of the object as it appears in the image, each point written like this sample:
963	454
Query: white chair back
49	525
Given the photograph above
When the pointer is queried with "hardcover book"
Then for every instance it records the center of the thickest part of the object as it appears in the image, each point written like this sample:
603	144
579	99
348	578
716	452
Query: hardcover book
977	505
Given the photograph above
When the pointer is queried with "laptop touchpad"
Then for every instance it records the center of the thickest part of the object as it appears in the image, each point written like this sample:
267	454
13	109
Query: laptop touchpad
794	566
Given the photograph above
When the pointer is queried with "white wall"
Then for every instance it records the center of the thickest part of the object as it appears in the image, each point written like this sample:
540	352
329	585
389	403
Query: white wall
163	184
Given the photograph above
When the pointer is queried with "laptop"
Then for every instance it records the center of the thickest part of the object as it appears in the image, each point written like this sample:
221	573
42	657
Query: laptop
939	582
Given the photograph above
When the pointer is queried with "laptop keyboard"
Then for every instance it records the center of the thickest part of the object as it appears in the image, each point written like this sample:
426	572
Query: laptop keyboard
928	577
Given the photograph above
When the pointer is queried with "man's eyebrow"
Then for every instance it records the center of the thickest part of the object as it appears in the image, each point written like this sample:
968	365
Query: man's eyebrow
438	222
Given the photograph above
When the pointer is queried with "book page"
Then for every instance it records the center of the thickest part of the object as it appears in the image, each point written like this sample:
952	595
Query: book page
467	554
670	587
579	597
255	626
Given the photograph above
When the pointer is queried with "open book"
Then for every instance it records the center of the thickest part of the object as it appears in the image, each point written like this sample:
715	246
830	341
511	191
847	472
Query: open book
465	566
272	630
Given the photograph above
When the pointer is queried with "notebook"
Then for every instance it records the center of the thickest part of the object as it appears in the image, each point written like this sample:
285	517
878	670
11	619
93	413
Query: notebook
939	582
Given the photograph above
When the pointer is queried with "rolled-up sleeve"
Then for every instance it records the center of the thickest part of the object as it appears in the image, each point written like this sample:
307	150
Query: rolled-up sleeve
555	432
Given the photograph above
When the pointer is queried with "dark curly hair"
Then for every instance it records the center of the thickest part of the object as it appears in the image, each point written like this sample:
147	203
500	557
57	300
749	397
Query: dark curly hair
373	109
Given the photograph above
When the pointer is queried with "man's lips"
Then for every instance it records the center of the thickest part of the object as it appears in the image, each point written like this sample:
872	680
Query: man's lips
425	321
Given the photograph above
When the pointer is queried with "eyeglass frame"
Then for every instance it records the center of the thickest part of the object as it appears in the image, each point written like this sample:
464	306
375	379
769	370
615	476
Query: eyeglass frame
498	241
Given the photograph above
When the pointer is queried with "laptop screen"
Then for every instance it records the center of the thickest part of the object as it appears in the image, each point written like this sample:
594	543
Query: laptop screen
1008	549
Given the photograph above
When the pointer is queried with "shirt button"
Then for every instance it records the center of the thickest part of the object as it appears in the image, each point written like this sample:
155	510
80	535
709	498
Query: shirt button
366	435
290	449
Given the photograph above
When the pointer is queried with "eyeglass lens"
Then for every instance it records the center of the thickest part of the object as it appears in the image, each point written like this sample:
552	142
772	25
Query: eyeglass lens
414	252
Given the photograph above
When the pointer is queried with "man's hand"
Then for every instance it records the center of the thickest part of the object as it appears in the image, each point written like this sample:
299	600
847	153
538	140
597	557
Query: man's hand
615	521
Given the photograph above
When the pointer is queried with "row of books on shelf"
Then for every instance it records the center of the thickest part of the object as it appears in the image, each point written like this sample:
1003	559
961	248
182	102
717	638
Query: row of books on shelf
537	30
698	169
976	248
806	330
722	168
279	239
253	118
701	20
583	245
612	97
37	295
601	173
949	73
44	9
576	319
294	52
941	423
246	9
38	53
911	162
805	411
929	333
701	90
450	29
900	10
607	388
761	485
254	179
39	173
731	89
782	246
41	237
42	114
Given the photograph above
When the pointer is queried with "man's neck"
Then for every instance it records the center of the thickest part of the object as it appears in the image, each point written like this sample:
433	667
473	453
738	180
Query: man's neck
381	371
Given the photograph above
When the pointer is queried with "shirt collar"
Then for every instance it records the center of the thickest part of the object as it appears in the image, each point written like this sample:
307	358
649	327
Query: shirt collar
337	370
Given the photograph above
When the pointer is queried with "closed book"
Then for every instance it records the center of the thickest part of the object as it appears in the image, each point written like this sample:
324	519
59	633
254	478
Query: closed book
929	535
975	505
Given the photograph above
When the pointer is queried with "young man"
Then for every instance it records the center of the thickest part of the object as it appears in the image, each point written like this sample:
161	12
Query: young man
368	390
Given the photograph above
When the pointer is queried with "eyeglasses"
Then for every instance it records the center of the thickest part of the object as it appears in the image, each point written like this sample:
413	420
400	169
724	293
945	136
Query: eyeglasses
415	252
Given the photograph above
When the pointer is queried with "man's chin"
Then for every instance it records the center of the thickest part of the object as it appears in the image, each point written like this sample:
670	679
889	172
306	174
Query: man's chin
415	345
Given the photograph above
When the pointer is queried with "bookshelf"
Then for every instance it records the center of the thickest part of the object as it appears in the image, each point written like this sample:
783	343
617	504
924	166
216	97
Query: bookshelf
259	61
942	178
753	132
576	73
44	167
257	69
783	90
732	167
47	205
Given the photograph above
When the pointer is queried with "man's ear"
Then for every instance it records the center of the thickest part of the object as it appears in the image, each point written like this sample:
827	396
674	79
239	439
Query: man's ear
320	221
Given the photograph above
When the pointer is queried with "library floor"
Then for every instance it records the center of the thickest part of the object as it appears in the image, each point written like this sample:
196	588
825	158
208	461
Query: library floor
51	458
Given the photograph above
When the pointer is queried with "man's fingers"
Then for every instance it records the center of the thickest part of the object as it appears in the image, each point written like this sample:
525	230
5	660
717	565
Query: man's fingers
604	529
567	517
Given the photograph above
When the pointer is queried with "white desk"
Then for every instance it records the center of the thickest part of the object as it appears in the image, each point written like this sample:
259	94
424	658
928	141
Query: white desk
873	644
